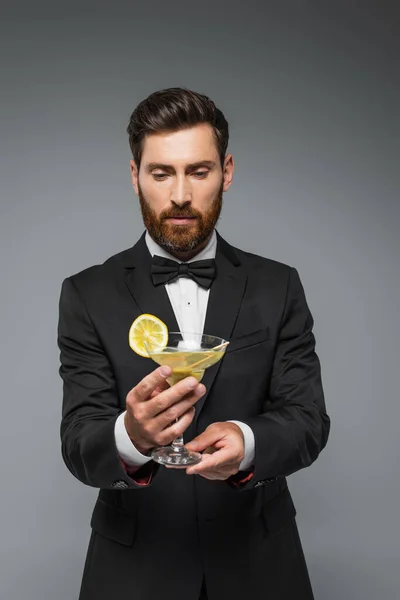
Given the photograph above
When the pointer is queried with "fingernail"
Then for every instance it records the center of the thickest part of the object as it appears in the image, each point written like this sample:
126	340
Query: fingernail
201	388
165	371
192	382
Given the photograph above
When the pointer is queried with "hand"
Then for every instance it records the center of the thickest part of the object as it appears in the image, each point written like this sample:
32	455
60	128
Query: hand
152	407
223	446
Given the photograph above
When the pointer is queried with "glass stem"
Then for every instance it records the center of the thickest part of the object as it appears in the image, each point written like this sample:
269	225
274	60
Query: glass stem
177	444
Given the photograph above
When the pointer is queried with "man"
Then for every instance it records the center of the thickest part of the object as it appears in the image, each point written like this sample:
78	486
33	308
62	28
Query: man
226	526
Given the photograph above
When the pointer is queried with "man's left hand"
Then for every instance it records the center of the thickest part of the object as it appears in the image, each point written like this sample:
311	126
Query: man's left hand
222	445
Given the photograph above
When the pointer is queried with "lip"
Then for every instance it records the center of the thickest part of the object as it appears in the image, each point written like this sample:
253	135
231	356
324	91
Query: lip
181	220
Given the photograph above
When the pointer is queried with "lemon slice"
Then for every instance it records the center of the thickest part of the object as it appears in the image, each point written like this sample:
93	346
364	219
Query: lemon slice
150	329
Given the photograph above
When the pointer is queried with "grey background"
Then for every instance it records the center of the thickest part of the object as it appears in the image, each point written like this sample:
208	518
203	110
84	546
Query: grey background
311	92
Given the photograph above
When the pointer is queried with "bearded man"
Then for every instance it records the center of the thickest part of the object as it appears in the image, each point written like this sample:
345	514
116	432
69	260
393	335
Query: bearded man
224	527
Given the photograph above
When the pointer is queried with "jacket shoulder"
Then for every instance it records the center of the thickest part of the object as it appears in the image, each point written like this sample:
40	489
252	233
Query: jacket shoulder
263	264
99	274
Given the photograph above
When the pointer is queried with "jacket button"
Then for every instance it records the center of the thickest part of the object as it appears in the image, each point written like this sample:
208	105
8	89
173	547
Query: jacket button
265	481
120	484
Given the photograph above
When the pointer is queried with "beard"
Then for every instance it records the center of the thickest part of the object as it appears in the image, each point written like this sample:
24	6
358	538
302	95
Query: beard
180	238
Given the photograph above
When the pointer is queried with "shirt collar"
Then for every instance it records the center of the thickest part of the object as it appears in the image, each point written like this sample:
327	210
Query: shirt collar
209	251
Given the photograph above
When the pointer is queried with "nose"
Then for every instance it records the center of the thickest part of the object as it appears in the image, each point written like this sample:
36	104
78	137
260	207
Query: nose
181	192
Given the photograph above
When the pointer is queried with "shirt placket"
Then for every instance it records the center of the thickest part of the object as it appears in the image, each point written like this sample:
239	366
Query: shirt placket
188	309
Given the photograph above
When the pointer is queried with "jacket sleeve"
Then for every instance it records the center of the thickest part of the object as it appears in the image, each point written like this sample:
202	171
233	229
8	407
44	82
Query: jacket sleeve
294	426
90	402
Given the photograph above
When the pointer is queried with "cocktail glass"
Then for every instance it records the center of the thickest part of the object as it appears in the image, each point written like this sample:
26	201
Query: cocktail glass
188	354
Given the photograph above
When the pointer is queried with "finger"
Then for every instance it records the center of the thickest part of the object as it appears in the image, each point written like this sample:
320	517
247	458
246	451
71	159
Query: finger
163	405
160	388
142	391
175	429
214	461
215	475
209	437
177	410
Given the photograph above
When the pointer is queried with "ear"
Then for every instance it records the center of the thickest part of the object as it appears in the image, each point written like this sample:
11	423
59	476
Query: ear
229	168
134	175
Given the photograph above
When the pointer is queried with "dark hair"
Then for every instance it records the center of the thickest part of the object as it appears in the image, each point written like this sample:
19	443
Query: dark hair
173	109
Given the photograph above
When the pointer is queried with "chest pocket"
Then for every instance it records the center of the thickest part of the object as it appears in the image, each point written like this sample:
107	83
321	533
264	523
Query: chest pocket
249	339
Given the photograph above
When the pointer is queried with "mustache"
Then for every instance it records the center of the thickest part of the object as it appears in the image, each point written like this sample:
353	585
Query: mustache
176	214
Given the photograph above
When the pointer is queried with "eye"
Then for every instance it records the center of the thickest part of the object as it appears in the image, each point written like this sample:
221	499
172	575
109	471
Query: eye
197	174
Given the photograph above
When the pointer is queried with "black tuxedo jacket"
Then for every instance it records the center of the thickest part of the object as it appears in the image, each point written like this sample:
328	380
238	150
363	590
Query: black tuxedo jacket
158	539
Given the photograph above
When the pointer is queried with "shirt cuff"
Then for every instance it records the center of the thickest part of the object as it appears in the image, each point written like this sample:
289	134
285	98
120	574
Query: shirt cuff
249	446
125	447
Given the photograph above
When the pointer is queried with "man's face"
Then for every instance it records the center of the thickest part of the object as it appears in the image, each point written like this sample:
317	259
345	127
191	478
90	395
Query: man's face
180	186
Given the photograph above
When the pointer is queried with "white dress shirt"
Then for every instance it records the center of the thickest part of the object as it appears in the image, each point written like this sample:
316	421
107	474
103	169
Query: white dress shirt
189	302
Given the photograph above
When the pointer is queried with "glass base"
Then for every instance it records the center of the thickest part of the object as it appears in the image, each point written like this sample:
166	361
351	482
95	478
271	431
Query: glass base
175	457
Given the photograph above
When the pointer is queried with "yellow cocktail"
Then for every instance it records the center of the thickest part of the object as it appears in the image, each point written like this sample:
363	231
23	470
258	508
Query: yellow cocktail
186	363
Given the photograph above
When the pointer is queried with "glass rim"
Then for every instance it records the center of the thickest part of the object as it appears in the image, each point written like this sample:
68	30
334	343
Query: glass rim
200	337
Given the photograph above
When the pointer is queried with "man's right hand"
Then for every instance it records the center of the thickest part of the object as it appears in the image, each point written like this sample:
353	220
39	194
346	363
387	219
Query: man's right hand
152	407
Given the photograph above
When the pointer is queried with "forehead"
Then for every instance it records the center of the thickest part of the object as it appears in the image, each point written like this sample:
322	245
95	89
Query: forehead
183	146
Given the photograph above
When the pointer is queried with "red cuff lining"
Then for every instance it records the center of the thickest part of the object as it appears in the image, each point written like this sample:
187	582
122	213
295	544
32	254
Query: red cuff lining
136	476
244	479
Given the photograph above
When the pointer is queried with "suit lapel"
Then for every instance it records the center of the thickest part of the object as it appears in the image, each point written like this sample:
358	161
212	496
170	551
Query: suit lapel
223	307
149	298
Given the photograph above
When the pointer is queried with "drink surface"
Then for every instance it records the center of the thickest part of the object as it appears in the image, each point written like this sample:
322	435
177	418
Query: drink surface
186	363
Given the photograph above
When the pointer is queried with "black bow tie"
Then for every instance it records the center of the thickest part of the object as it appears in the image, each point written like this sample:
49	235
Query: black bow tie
164	270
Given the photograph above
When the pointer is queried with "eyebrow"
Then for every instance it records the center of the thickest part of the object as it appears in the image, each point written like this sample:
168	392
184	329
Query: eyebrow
201	163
